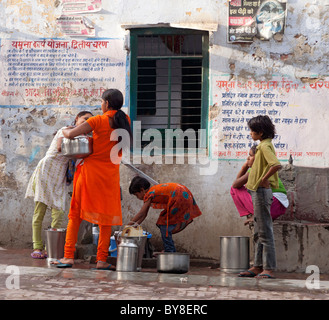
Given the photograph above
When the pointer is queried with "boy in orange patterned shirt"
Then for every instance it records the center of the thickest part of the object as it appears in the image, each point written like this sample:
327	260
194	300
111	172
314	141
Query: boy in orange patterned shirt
178	204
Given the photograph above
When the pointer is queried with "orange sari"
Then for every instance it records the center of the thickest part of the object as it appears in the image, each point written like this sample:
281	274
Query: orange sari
96	186
96	190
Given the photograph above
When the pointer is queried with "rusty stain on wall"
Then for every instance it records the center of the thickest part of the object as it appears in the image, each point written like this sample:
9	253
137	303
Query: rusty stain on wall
7	180
214	111
309	80
303	48
50	121
38	16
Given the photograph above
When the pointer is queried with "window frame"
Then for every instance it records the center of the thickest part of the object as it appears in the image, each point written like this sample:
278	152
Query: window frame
134	33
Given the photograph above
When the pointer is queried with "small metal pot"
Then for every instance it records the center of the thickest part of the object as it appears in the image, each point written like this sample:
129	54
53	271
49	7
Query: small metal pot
173	262
77	148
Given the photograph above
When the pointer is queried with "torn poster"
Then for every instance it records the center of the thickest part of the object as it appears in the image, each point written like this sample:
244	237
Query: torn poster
81	6
76	26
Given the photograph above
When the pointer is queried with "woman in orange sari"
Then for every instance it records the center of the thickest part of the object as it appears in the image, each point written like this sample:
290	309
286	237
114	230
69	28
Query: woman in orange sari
96	185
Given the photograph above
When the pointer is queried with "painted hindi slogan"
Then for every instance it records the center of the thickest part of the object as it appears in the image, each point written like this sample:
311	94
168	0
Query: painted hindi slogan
59	72
296	109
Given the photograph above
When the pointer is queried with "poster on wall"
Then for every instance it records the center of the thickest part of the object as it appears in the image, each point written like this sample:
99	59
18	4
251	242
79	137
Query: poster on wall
75	26
296	109
81	6
49	72
261	18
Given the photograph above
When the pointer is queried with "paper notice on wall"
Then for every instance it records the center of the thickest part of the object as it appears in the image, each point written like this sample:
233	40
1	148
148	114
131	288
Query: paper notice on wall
76	26
296	109
81	6
60	72
261	18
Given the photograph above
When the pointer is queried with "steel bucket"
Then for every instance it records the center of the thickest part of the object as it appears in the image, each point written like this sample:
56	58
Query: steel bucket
234	254
55	239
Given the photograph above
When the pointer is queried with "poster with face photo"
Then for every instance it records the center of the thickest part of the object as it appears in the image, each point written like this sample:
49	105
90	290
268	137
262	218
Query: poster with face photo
249	19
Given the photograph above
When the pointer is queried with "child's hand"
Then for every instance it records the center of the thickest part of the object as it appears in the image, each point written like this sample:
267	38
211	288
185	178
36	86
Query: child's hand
245	166
265	183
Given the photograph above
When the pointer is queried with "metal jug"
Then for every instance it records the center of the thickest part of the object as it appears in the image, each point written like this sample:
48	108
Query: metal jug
127	255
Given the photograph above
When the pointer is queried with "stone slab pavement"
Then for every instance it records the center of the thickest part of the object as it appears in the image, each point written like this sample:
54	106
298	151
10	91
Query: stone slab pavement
24	278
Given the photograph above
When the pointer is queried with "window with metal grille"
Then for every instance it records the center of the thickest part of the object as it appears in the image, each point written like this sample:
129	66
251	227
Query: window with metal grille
169	79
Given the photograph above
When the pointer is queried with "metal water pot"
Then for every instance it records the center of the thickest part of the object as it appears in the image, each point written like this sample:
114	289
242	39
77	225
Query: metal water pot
55	239
173	262
77	148
127	255
234	254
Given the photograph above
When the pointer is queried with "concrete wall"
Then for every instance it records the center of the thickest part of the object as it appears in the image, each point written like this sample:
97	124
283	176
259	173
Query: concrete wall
26	130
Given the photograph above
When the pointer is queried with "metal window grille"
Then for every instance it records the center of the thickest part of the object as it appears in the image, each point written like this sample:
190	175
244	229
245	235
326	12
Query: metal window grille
169	81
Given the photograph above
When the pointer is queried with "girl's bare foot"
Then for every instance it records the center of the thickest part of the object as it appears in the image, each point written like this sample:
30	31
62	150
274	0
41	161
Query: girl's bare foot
249	221
266	274
37	254
252	272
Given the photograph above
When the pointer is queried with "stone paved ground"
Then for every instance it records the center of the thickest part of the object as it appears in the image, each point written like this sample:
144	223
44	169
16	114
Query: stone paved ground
37	281
59	288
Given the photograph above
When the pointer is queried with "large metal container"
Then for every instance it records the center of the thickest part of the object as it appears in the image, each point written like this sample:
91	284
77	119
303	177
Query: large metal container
127	255
173	262
55	241
139	241
234	254
77	148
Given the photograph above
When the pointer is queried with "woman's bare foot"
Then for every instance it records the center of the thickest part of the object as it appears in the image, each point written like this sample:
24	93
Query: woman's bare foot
64	261
101	265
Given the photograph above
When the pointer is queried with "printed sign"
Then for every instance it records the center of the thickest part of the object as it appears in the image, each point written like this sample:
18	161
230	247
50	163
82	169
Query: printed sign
296	109
81	6
60	72
76	26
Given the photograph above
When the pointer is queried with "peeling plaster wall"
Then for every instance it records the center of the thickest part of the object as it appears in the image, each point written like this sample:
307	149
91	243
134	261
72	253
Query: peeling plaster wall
26	131
301	52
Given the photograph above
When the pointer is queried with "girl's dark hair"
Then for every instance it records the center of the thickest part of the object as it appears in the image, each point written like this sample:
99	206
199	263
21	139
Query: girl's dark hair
81	114
115	99
137	184
262	124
